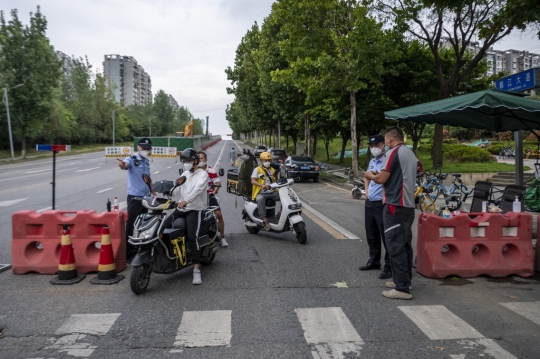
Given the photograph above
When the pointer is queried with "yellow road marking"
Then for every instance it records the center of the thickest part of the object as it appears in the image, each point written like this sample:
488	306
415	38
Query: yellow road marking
326	227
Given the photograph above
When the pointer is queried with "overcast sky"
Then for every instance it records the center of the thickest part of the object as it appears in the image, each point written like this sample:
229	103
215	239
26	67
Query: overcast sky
184	45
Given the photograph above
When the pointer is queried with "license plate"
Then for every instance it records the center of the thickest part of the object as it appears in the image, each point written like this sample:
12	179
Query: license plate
304	167
452	204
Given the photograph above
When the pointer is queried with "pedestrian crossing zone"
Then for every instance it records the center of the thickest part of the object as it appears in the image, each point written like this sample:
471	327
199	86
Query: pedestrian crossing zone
327	333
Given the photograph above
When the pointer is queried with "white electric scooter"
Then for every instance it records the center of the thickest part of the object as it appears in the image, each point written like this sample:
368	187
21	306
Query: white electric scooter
290	218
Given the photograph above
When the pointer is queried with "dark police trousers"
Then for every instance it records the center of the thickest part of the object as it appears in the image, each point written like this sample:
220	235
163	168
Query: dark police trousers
398	234
375	233
134	208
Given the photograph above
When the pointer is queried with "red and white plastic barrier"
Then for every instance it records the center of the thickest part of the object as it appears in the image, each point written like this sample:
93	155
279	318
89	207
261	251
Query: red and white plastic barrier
469	245
35	245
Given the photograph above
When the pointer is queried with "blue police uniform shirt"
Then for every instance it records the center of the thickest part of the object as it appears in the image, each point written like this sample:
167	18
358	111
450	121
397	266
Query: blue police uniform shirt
375	189
136	185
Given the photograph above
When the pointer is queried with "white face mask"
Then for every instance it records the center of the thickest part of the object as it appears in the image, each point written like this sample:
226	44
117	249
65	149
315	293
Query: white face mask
143	153
266	164
188	166
375	151
202	164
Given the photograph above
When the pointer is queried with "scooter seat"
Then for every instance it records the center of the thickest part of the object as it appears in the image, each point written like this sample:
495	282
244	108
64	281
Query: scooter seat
179	223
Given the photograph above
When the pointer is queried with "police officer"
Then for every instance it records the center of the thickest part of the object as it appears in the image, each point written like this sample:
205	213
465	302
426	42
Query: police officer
374	211
137	167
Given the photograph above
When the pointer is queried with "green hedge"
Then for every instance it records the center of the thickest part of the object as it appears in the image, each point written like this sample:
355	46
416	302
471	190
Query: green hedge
464	153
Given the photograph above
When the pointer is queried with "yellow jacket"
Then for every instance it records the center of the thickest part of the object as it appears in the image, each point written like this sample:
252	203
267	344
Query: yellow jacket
262	171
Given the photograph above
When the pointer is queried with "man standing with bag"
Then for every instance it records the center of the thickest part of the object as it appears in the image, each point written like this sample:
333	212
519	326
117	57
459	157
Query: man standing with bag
397	175
374	211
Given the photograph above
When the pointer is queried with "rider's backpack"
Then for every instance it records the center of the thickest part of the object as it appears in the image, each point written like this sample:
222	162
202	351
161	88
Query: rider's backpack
244	176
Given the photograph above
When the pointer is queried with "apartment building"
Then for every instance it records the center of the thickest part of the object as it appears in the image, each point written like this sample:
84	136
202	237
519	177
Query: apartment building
173	102
510	61
127	79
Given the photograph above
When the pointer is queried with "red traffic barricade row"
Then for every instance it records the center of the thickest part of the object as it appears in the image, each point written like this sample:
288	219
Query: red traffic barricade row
36	239
468	245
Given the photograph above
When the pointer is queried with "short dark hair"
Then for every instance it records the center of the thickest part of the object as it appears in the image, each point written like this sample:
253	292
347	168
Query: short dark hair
395	132
203	153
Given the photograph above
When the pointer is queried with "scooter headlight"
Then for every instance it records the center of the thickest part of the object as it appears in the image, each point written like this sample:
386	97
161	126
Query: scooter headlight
295	206
147	234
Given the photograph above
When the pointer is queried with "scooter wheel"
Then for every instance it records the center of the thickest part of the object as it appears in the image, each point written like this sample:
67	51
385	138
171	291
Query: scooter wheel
252	230
209	260
356	193
301	234
140	278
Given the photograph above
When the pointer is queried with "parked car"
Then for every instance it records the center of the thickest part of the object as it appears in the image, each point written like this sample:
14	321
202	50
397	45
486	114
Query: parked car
300	168
278	157
258	150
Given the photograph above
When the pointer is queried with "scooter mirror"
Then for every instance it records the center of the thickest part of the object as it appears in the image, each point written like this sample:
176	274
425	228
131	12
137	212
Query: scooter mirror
221	171
180	171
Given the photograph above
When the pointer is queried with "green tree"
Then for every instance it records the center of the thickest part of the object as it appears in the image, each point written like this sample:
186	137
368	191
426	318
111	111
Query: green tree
164	115
459	26
26	57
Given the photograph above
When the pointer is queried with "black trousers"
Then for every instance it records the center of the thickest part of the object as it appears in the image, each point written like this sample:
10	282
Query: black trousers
193	219
398	233
375	233
134	208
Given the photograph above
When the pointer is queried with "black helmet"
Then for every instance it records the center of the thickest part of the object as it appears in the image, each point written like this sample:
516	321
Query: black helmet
189	154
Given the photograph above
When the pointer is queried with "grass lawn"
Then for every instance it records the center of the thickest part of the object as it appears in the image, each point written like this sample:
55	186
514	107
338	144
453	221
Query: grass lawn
33	154
470	167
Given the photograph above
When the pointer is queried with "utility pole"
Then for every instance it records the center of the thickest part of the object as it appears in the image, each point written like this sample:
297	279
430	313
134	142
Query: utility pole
6	102
113	126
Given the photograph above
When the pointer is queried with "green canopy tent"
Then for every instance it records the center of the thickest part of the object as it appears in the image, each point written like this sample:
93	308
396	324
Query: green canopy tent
489	109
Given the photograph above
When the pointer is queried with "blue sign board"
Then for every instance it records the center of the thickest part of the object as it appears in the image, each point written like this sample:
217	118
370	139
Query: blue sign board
522	81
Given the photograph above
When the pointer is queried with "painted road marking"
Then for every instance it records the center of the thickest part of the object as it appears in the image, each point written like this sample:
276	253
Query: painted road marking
13	201
437	322
221	153
43	209
88	169
329	332
328	221
530	310
37	171
326	227
204	329
104	190
122	205
77	327
156	172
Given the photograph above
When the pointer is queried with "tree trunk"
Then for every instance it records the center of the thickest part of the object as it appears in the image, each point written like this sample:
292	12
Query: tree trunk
354	143
314	151
294	143
287	139
344	138
326	145
23	150
307	137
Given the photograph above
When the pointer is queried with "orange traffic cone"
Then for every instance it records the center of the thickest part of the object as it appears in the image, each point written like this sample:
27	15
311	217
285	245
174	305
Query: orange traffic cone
67	269
107	267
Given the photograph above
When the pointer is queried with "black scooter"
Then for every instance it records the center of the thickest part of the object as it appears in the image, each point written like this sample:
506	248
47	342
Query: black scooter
161	239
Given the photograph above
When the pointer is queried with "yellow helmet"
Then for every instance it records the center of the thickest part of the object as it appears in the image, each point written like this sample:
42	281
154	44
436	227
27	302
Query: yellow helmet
266	156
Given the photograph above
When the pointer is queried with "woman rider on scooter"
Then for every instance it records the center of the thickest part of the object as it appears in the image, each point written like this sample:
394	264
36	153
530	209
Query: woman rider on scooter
192	201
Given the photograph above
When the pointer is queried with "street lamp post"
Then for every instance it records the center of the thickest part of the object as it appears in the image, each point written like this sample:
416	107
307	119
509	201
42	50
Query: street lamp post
6	102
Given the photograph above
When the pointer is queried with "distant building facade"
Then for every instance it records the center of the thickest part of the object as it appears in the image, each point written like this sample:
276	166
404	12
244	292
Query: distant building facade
510	61
127	79
67	63
173	102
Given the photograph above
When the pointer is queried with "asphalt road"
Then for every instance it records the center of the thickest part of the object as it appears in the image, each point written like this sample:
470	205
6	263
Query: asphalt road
265	296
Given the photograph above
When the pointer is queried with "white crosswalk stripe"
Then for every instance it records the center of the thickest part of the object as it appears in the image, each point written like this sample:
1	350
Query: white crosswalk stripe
75	329
329	332
204	329
439	323
530	310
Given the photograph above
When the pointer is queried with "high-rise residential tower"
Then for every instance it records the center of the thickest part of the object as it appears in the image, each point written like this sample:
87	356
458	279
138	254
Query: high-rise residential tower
129	82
